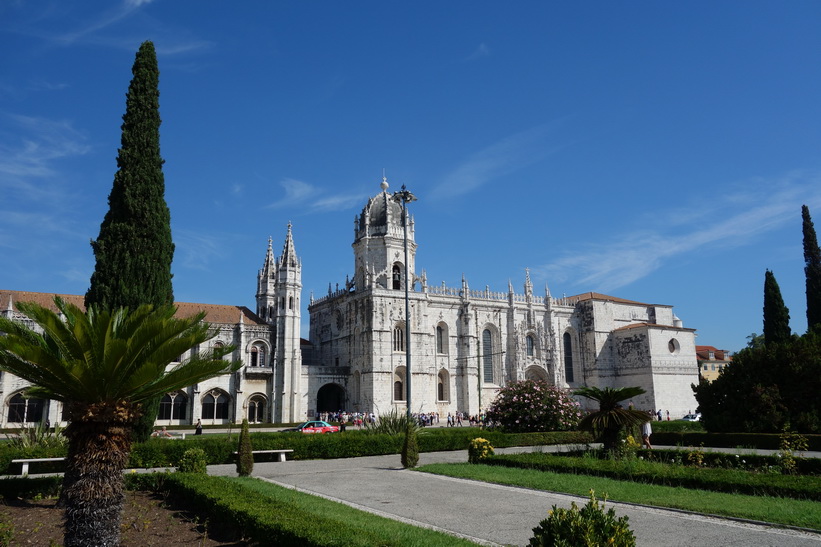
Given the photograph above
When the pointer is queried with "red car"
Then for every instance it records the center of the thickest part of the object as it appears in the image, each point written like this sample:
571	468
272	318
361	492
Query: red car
317	426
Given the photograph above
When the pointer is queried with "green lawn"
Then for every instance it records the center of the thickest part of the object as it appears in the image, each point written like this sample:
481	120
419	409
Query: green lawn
806	514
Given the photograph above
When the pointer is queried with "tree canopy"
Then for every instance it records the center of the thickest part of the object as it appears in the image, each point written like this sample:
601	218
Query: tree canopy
812	270
134	249
776	314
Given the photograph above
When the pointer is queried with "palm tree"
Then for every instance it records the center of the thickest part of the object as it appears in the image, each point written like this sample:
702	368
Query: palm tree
101	365
608	422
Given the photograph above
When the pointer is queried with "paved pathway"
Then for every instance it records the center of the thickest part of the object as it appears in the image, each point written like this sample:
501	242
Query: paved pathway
494	514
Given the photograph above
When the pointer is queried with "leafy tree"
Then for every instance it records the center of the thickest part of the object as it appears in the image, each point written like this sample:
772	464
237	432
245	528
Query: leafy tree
612	418
533	406
765	388
245	452
134	249
102	365
776	314
812	270
755	340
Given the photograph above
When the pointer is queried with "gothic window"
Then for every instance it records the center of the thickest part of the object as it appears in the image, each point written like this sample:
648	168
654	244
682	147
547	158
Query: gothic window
173	406
396	277
529	345
215	406
568	358
399	384
256	409
442	384
258	355
487	356
399	338
26	410
441	339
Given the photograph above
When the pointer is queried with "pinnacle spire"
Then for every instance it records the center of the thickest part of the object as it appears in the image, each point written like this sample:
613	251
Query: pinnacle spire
288	256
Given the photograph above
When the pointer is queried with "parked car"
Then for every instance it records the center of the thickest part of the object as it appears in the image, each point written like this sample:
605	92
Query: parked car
315	426
692	417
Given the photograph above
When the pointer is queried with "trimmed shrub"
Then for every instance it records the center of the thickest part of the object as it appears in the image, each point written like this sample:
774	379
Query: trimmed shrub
245	454
410	448
193	461
534	406
479	449
589	526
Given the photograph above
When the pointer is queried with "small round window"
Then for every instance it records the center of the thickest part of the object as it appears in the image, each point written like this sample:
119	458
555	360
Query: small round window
673	346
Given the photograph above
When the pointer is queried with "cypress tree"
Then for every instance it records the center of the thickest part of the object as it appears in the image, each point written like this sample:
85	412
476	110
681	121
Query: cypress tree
134	249
776	314
245	452
812	270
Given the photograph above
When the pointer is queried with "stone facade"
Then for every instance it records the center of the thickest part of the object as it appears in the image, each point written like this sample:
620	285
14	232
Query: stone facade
464	343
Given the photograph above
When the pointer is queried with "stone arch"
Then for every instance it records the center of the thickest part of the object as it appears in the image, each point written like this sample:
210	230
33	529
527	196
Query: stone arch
443	386
399	391
216	406
259	352
330	398
490	356
536	373
256	407
25	409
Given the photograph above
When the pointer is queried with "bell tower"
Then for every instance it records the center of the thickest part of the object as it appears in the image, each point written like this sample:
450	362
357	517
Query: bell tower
379	256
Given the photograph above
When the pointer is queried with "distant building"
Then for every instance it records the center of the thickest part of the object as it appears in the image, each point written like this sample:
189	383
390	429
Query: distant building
711	361
466	343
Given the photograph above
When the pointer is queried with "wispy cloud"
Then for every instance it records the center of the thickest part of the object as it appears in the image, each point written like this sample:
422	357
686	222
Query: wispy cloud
481	51
499	159
735	219
28	152
312	198
197	250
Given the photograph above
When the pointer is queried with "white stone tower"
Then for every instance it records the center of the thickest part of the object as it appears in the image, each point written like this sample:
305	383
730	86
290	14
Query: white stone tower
279	293
379	256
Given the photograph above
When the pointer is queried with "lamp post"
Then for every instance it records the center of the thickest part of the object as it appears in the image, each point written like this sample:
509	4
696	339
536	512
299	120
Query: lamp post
404	196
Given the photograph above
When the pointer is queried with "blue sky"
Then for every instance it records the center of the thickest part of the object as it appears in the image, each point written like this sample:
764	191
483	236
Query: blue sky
655	151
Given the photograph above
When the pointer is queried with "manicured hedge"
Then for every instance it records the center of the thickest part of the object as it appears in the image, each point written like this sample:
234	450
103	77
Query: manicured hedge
768	441
18	487
804	466
719	480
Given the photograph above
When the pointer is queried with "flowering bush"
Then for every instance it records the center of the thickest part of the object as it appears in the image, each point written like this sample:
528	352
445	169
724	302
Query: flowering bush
479	449
534	406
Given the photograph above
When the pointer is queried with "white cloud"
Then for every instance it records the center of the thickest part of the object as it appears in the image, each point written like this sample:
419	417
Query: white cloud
735	220
499	159
312	199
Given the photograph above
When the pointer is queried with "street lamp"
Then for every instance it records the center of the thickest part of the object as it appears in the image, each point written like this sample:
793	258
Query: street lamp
404	196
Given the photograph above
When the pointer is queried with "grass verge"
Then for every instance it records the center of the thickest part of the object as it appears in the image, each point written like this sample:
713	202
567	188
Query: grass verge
791	512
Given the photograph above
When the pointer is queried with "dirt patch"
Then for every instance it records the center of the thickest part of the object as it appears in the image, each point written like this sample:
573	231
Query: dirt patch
147	521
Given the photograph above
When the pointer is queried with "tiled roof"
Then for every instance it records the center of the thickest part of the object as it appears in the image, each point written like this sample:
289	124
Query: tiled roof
214	313
604	297
703	353
652	326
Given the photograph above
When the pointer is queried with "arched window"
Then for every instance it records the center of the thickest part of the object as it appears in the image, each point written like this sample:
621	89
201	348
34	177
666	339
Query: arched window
396	277
258	355
173	406
290	302
568	357
256	409
529	345
215	406
399	338
399	384
26	410
442	385
487	355
441	339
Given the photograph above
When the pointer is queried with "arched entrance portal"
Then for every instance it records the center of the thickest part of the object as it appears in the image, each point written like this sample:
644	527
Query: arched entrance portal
330	398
